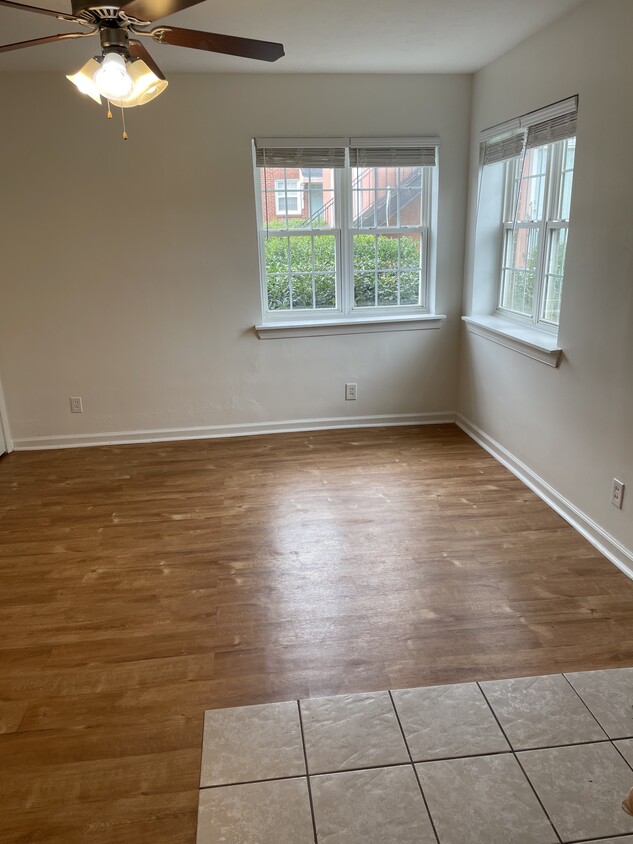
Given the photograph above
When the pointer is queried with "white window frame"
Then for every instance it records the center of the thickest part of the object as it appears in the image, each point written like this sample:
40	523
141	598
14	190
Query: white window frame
428	176
346	312
550	222
539	339
287	193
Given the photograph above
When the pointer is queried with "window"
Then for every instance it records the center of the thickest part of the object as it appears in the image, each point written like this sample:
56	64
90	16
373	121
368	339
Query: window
528	174
288	197
536	222
345	228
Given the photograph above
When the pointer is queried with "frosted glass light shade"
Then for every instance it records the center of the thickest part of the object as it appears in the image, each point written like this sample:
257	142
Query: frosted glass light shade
146	86
83	80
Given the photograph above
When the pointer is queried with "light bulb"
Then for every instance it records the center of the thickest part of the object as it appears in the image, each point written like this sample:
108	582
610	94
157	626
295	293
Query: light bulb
112	79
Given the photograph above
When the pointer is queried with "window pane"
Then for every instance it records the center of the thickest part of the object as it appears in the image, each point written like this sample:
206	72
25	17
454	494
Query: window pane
302	293
387	197
521	255
365	289
292	197
410	288
557	249
529	192
567	177
278	293
300	271
387	269
325	290
387	289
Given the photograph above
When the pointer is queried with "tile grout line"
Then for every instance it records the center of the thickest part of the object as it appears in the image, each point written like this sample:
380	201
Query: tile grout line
557	746
305	759
622	755
611	741
353	770
415	771
603	838
251	782
529	781
586	705
508	752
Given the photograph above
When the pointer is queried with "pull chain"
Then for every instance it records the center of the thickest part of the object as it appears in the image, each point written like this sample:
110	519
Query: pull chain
123	119
109	111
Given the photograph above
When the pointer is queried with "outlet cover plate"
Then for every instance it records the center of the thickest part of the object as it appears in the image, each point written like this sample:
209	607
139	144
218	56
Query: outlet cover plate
617	493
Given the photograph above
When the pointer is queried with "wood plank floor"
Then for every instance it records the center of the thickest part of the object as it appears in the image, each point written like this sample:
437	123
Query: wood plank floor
141	585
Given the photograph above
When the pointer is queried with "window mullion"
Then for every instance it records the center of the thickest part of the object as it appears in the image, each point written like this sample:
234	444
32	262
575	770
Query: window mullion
424	266
427	293
345	263
314	302
290	276
539	280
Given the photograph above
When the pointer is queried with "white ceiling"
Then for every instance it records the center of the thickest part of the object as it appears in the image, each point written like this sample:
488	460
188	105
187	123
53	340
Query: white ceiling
322	36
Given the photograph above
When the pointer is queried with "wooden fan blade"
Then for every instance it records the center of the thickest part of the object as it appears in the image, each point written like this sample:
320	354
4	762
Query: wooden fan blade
152	10
62	16
19	45
138	50
248	48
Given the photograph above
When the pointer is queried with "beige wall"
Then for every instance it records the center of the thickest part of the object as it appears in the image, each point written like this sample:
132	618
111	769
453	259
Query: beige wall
572	426
130	273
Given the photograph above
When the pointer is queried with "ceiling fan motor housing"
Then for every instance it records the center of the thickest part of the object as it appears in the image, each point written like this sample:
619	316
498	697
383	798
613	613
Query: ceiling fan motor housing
114	39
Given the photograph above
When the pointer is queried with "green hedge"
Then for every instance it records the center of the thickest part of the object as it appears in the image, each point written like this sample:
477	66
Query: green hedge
280	251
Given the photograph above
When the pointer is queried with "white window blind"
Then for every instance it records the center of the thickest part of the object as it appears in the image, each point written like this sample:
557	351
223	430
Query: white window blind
330	152
555	129
304	157
553	123
393	156
502	149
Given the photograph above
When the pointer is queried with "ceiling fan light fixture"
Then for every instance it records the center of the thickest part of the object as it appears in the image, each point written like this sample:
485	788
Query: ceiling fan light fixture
83	80
112	79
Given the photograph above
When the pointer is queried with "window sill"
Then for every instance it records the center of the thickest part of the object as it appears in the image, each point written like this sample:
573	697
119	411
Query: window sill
533	342
363	325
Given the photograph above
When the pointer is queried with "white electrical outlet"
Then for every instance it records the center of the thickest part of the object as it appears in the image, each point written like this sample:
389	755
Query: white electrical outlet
617	493
76	405
351	392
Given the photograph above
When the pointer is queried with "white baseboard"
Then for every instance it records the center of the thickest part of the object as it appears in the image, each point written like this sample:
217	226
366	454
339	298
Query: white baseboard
608	545
216	431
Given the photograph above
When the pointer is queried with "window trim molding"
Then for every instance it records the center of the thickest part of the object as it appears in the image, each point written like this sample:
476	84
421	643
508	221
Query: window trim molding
526	339
347	313
346	325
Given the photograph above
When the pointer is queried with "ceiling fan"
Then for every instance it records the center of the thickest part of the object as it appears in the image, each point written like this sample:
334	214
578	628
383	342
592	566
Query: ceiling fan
124	73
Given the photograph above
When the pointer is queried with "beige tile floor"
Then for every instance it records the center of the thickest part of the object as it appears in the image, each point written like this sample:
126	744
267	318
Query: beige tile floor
537	760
